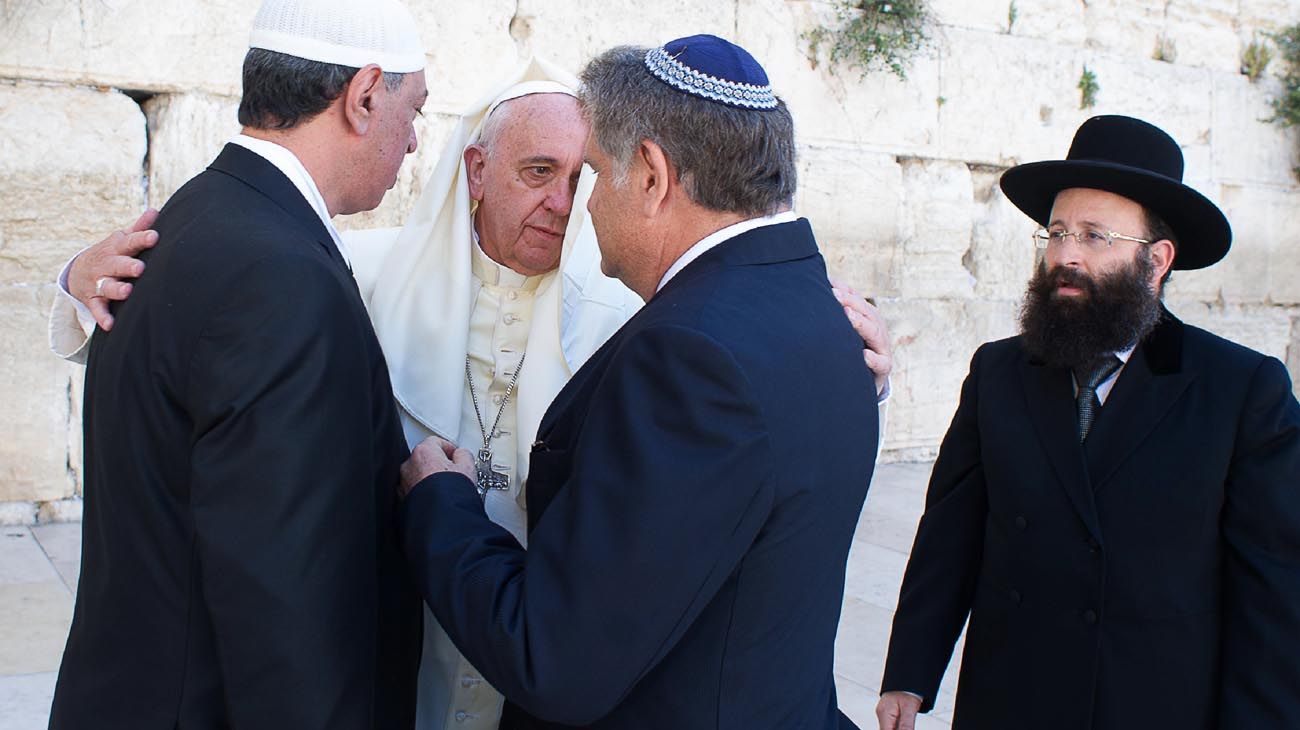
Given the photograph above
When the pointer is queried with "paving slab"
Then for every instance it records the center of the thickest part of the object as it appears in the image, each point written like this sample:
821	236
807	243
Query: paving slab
62	545
25	700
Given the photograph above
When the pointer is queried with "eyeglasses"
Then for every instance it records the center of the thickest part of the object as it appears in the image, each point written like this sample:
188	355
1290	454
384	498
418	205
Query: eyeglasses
1088	238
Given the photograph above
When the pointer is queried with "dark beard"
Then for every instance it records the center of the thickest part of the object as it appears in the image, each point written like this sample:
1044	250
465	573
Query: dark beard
1115	312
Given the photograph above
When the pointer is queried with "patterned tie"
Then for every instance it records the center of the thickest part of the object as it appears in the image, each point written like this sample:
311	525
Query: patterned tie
1088	379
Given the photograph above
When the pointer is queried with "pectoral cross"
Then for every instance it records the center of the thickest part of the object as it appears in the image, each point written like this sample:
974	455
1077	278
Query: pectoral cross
490	476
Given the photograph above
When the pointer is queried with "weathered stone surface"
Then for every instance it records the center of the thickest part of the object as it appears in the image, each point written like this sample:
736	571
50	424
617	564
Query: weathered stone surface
35	404
833	102
71	164
934	230
186	131
933	344
1247	147
1293	352
1002	255
130	44
1261	328
470	47
1265	255
1018	103
852	200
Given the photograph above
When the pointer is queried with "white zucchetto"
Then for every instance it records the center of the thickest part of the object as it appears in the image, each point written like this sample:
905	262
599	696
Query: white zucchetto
352	33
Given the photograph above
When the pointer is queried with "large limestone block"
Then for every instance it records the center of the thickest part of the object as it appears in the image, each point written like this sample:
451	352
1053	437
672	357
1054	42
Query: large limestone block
1058	20
133	44
34	409
933	344
572	33
1247	148
186	131
1018	103
470	47
1176	98
1002	254
833	102
1262	328
934	230
1204	34
986	15
71	159
852	200
1264	263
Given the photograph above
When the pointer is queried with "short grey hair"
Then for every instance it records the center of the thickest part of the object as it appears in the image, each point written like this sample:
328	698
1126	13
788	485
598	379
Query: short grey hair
727	159
283	91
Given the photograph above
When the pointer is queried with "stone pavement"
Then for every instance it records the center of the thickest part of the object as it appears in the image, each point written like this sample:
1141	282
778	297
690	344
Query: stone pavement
39	567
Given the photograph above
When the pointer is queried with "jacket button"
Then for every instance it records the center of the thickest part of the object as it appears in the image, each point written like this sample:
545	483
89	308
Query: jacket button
1090	617
1021	522
1093	546
1014	595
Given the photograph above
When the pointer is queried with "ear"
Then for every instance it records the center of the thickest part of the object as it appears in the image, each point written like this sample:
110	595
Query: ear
654	177
1162	258
475	159
361	97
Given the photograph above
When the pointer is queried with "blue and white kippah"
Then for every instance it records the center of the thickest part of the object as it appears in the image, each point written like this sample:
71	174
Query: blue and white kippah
712	68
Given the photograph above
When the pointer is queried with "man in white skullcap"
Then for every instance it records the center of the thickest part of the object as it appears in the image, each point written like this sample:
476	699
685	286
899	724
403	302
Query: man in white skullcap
496	279
241	441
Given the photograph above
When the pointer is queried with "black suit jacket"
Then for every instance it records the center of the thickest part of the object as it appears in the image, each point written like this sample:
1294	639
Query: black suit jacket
239	563
1149	579
691	501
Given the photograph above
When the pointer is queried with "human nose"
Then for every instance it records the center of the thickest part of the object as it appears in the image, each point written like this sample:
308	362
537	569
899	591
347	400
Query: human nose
559	199
413	142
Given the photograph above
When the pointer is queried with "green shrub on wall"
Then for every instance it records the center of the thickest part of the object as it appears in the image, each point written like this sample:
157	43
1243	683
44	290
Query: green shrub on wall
875	35
1286	108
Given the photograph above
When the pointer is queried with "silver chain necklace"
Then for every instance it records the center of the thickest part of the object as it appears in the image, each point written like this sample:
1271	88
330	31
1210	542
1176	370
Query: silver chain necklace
489	475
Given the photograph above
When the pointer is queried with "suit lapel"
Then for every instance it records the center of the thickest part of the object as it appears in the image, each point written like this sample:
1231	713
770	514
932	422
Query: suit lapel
1050	401
1147	388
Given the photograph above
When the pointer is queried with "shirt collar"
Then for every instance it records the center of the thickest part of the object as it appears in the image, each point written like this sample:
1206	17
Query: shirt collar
288	163
719	237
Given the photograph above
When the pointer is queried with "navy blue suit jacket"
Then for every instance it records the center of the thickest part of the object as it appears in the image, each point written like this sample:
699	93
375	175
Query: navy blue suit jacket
1149	578
691	499
240	566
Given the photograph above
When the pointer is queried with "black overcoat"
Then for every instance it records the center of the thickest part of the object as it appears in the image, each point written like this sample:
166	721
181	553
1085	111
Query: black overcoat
1147	579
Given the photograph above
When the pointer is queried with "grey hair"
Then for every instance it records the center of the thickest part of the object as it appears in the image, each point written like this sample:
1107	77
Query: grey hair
727	159
491	129
283	91
1158	230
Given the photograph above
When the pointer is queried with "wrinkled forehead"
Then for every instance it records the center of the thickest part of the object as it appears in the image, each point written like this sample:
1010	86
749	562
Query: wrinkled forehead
547	124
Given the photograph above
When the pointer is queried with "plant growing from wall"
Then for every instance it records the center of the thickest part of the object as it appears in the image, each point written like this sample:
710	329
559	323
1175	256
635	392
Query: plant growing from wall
1012	14
1286	107
1165	50
1088	88
1255	59
875	35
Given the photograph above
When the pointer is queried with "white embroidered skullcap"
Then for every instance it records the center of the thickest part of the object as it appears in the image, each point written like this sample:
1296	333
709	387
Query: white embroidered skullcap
352	33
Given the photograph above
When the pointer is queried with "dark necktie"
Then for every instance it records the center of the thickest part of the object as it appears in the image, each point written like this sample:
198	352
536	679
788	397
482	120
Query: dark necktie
1088	378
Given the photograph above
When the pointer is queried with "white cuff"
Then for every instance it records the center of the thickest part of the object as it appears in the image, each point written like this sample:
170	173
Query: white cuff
84	317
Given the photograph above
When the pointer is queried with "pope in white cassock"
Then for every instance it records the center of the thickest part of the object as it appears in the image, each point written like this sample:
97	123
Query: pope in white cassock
485	303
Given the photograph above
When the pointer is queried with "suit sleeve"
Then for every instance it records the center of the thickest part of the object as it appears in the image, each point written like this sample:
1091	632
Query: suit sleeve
943	569
668	488
1260	673
282	493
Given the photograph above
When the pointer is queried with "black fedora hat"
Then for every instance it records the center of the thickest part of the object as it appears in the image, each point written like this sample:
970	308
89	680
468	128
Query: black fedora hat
1139	161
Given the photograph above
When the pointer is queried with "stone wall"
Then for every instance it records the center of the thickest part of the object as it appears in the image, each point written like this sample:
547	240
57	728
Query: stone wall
106	105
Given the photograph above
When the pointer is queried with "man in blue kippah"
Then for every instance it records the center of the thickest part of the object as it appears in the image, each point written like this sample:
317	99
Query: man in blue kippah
694	488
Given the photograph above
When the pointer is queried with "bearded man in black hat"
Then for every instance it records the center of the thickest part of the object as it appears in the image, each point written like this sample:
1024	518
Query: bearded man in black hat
1116	504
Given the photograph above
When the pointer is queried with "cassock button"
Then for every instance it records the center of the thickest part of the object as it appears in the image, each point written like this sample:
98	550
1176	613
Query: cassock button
1090	617
462	716
1015	596
1021	522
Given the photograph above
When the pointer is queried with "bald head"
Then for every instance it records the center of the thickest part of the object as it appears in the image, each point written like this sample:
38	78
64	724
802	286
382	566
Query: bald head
522	172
